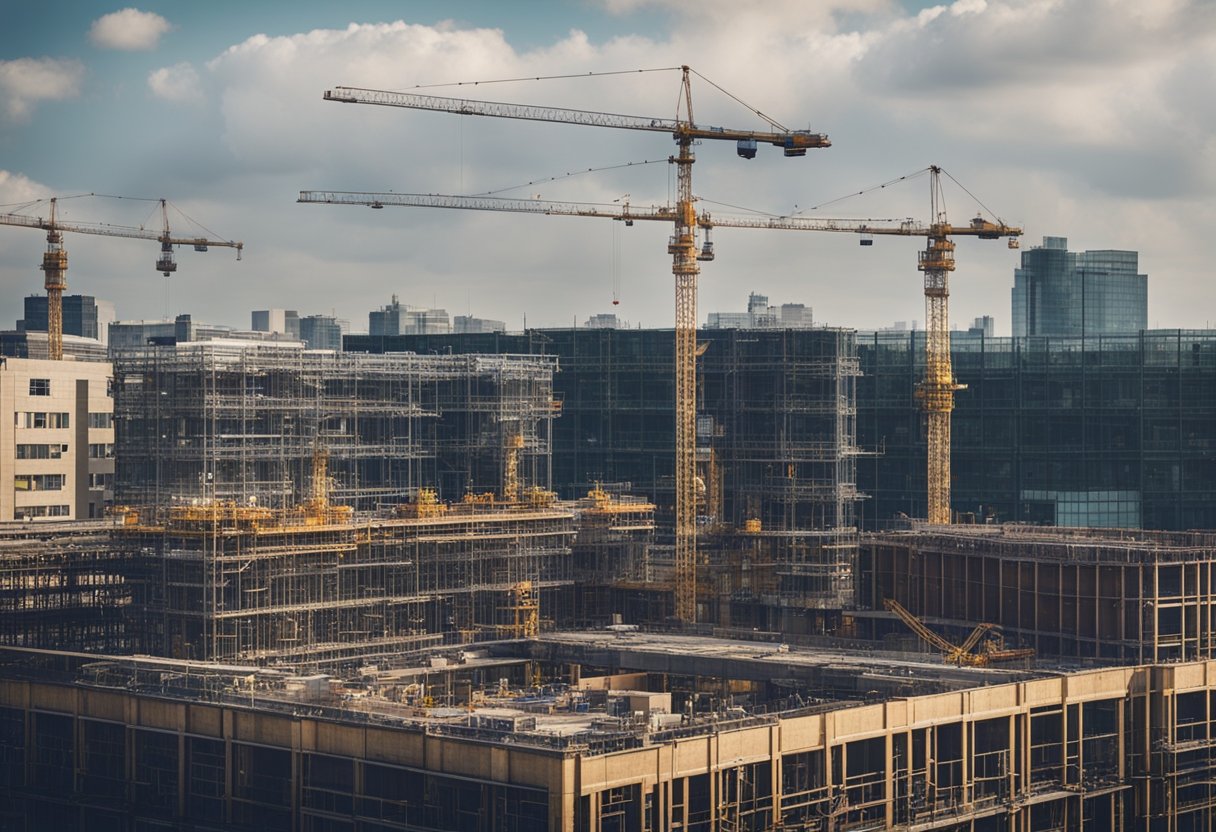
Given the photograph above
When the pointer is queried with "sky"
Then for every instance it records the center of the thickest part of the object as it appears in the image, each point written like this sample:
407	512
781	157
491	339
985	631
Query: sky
1093	120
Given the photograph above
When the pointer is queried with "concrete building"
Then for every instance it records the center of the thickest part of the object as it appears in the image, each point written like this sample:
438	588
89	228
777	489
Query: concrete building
470	741
282	321
603	320
1057	292
128	335
20	344
56	439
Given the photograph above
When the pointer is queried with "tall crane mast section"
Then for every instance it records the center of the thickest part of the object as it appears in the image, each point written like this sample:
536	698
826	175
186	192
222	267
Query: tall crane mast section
55	258
682	247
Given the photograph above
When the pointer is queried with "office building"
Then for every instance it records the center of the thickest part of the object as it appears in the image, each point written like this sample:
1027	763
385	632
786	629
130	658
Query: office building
760	315
282	321
399	319
80	315
321	332
56	439
1057	292
1102	431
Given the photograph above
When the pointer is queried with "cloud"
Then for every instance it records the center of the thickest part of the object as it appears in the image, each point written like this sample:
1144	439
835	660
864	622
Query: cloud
26	81
16	188
178	83
129	30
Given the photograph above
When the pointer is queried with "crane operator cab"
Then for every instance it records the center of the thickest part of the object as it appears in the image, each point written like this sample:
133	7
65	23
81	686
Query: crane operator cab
746	148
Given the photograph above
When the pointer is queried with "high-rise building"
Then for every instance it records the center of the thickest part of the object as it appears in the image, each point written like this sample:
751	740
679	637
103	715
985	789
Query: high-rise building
399	319
983	325
56	439
79	315
1061	292
321	332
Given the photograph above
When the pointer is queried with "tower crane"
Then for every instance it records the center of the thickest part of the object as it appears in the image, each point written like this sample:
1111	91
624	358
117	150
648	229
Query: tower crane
55	259
936	390
682	247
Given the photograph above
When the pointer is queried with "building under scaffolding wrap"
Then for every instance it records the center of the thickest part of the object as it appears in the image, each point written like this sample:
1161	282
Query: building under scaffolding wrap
235	583
242	422
776	446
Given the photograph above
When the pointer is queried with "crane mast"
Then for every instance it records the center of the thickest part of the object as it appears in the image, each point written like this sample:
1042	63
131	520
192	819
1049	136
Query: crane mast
682	247
55	259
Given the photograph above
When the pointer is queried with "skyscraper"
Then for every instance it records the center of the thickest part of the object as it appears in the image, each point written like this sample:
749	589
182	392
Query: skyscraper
1061	292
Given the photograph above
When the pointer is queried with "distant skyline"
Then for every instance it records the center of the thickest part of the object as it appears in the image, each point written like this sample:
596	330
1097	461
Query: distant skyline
1088	119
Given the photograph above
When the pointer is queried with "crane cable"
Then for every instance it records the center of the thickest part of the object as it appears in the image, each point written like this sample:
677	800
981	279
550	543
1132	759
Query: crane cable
541	78
569	174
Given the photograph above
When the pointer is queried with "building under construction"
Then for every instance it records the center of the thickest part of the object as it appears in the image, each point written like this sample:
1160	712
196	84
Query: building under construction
603	733
218	421
776	446
1100	594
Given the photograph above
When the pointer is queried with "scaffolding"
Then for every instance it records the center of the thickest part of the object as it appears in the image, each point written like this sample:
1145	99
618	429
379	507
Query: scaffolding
776	436
236	583
70	586
228	421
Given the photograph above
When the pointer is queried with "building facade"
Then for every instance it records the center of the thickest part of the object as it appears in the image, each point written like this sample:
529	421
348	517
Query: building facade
321	332
1105	431
1057	292
56	439
79	315
399	319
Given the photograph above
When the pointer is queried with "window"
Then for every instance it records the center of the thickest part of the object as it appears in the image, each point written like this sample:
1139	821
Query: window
100	482
41	451
101	451
40	387
32	419
39	482
101	420
30	512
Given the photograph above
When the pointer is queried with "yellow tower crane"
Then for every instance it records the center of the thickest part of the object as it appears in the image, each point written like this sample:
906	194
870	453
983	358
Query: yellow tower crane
55	260
682	246
936	261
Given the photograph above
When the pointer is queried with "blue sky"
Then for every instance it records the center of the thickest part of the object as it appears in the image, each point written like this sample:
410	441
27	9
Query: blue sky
1090	119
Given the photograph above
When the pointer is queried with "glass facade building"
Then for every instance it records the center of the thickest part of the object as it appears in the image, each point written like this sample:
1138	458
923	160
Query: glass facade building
1058	292
79	315
1111	430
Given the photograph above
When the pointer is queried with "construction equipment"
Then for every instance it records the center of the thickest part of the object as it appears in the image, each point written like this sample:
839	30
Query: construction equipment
936	261
682	246
986	637
55	260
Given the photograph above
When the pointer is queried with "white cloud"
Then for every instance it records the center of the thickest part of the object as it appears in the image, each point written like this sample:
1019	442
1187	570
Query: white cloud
129	30
179	82
26	81
17	188
1081	118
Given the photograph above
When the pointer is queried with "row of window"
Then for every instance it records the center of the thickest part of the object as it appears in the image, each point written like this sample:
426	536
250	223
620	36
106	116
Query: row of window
101	482
101	450
39	482
30	512
38	419
101	420
53	450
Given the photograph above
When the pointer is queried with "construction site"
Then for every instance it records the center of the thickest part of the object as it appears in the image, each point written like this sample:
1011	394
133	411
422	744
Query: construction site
610	581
